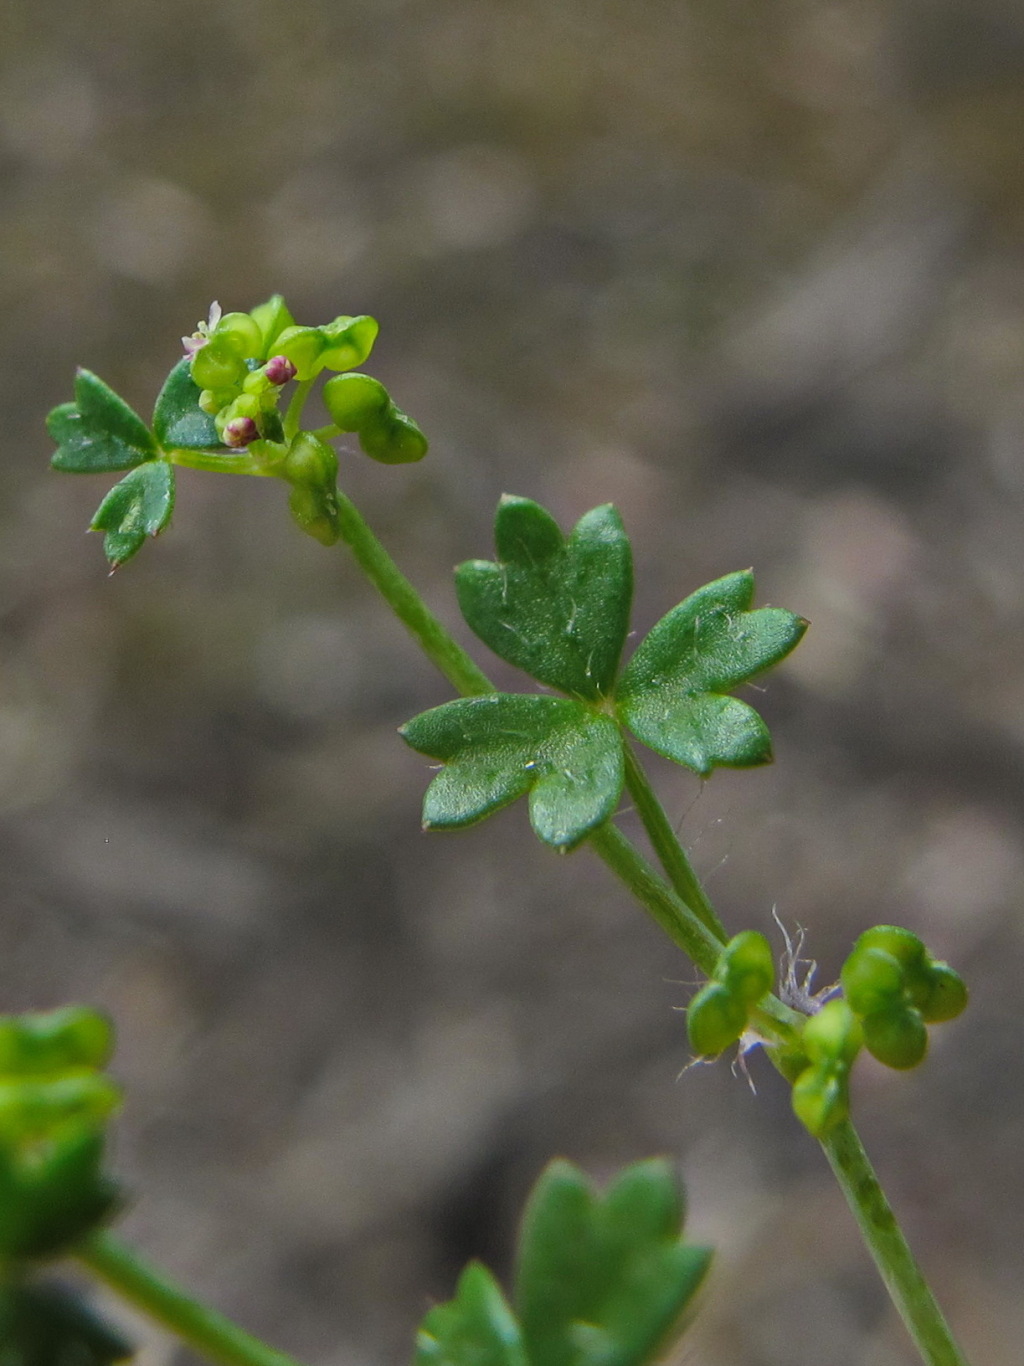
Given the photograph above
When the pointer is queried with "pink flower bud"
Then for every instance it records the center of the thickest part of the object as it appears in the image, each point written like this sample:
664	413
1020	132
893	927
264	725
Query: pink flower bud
240	431
279	370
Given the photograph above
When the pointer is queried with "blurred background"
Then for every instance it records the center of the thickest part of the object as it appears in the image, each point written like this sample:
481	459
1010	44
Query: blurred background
754	273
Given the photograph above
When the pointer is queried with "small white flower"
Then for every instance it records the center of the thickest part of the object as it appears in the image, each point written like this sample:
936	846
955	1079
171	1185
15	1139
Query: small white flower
203	332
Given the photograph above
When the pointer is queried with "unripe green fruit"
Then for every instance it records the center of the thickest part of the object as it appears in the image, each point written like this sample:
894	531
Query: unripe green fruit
303	346
872	980
271	318
746	966
904	945
217	366
54	1041
821	1098
833	1035
348	342
311	467
393	439
314	514
896	1037
946	997
715	1019
354	400
240	334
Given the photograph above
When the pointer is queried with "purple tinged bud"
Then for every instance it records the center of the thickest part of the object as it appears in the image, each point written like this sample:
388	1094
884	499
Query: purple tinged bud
279	370
240	431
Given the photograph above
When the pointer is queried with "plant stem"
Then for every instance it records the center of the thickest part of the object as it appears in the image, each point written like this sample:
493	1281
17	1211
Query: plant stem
666	845
414	614
682	924
907	1287
293	413
240	462
203	1329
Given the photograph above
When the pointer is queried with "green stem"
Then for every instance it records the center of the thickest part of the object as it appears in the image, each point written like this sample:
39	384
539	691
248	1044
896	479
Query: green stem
328	433
684	913
407	605
906	1285
227	463
203	1329
666	845
293	413
682	925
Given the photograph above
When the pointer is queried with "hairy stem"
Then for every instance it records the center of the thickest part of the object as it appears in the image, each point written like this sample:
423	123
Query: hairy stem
682	924
414	614
666	845
907	1287
206	1331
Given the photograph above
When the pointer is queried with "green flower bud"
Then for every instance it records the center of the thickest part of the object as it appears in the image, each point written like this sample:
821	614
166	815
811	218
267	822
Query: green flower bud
746	966
240	334
213	400
872	980
354	400
349	342
715	1019
947	995
896	1037
271	318
833	1035
54	1041
821	1098
217	366
303	346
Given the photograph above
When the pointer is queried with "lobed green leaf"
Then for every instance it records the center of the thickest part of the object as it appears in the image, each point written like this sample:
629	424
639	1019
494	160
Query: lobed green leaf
139	506
604	1280
500	746
476	1328
672	693
178	420
556	607
98	432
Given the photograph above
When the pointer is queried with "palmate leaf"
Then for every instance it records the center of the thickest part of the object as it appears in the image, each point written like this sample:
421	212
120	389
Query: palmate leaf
98	432
178	420
672	694
139	506
47	1325
556	607
476	1328
602	1280
500	746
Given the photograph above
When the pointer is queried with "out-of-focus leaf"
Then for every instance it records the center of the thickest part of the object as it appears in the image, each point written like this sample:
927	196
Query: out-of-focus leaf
48	1325
476	1328
603	1280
